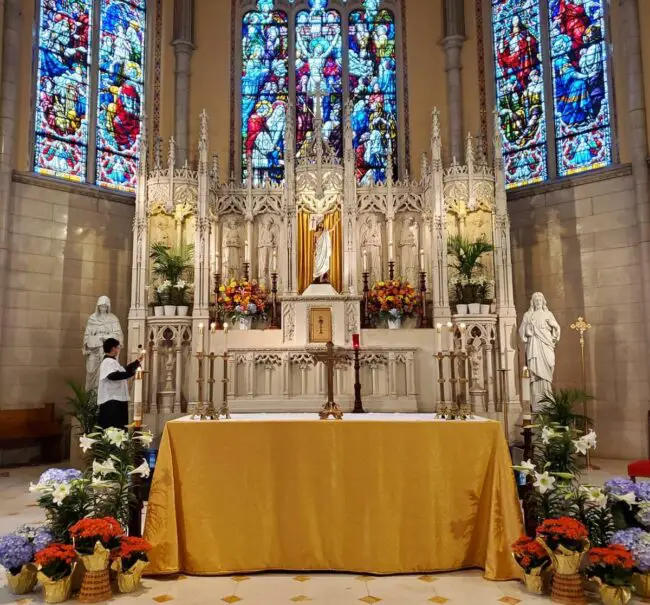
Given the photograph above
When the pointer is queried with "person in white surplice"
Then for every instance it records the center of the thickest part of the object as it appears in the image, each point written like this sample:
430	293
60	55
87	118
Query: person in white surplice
540	332
322	251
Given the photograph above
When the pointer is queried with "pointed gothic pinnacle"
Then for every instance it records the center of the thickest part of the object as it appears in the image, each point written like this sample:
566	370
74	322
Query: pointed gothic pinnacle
469	149
435	123
498	149
204	125
171	159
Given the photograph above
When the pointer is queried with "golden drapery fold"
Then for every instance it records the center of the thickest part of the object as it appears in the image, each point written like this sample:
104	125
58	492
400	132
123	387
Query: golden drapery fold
364	496
306	250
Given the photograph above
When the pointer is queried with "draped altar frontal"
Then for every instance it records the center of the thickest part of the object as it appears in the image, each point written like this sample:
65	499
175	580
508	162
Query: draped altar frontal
374	493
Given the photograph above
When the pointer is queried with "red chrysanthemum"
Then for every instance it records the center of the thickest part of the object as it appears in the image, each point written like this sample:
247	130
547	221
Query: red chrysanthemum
104	529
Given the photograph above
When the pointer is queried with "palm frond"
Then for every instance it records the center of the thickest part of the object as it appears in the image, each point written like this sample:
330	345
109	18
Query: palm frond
467	253
83	406
560	407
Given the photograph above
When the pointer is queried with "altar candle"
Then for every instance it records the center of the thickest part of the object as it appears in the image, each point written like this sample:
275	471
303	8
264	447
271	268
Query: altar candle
390	250
275	261
525	384
225	337
137	398
421	260
365	262
213	327
216	263
438	337
462	328
246	256
199	346
355	341
450	336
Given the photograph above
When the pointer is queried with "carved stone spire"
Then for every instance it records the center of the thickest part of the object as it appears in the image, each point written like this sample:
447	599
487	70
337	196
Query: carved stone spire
144	145
171	158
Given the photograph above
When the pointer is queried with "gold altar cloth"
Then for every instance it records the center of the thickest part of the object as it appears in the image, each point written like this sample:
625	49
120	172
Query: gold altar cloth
353	495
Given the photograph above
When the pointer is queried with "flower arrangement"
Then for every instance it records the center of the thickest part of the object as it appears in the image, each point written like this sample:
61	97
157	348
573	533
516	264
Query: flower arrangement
637	541
163	292
612	565
88	532
392	299
130	550
468	287
529	554
56	560
566	532
179	292
15	551
242	299
39	535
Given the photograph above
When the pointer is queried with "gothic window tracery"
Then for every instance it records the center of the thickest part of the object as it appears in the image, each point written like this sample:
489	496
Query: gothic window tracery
90	88
344	52
556	123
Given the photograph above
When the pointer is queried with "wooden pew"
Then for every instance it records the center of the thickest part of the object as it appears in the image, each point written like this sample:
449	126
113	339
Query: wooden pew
22	428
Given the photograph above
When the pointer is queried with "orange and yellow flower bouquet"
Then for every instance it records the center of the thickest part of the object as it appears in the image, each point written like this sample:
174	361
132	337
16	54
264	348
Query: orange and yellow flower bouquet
242	299
392	299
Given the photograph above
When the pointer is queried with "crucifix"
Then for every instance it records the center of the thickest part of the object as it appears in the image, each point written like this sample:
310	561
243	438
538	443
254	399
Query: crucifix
330	358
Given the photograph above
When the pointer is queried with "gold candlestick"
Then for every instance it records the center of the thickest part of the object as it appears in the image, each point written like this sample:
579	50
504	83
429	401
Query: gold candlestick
581	326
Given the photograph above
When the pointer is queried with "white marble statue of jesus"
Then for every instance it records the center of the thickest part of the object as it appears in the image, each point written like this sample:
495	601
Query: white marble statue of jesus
540	332
322	250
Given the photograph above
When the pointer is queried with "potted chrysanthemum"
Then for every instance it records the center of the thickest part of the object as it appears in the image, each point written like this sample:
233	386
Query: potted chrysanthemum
533	559
392	300
129	561
93	541
55	566
611	568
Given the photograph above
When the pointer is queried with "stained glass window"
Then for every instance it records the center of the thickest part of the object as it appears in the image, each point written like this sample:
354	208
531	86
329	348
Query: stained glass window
580	85
264	91
120	92
574	107
66	68
319	70
520	90
373	90
61	121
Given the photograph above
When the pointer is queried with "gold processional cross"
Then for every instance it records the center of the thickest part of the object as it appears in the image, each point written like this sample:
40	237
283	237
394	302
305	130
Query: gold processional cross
330	358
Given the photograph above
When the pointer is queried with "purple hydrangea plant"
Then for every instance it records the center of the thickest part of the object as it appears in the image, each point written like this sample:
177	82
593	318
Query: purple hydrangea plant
619	486
39	535
15	551
642	491
637	542
59	475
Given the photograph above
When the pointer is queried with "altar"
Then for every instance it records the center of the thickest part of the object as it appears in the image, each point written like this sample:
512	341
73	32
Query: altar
310	254
373	493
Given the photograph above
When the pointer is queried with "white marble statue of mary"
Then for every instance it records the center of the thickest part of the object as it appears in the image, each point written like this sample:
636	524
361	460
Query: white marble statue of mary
322	251
540	332
102	324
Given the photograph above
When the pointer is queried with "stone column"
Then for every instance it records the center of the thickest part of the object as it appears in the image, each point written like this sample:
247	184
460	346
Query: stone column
638	142
454	19
183	49
8	97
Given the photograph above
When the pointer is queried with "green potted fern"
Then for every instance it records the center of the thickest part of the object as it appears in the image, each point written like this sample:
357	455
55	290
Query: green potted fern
171	267
468	287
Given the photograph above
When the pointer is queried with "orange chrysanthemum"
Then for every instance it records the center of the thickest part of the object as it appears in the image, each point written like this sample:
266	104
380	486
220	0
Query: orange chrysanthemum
55	553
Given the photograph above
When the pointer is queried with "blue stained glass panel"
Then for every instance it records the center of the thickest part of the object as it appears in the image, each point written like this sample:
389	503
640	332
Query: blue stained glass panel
319	68
580	85
520	90
373	91
264	92
120	92
61	122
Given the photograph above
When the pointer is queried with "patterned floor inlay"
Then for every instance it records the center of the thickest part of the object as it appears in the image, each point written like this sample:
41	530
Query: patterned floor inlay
370	599
365	578
231	599
438	600
301	578
240	578
509	600
300	598
163	598
427	579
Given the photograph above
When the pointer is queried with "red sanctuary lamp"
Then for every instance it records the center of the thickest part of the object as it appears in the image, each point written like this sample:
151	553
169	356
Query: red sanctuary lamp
355	341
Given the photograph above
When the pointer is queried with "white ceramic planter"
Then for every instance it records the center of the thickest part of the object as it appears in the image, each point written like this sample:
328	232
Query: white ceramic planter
159	311
170	310
485	309
182	310
461	309
474	308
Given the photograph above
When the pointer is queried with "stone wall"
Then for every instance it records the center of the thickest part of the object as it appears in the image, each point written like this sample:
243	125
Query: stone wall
69	245
578	244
